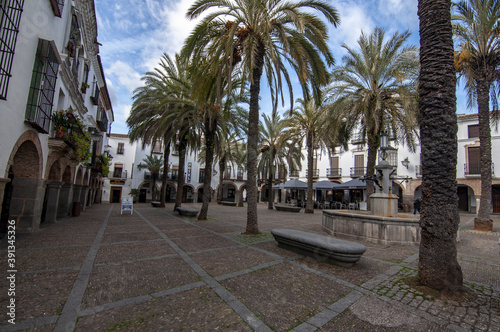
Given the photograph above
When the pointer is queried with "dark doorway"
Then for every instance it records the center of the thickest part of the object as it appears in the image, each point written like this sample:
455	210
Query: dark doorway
495	195
463	199
116	194
142	195
200	195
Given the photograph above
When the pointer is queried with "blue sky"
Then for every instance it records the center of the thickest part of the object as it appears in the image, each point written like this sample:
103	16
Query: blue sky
135	33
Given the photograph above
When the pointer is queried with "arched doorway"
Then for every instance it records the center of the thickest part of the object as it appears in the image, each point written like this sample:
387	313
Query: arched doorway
466	199
187	194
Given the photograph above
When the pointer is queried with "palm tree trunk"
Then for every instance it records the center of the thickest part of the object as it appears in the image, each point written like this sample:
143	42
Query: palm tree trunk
483	220
166	154
373	145
222	168
253	136
209	159
438	267
310	165
180	177
271	177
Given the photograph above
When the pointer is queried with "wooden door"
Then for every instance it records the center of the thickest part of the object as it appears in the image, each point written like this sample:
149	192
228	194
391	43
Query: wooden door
495	193
463	199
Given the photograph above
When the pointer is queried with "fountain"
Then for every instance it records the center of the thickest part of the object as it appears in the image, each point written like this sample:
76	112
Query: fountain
382	224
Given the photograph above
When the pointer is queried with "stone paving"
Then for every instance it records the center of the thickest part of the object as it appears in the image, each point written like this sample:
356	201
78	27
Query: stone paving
154	270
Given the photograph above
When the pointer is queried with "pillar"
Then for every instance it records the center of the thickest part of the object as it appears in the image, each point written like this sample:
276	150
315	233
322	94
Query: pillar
26	203
83	197
76	197
53	192
65	200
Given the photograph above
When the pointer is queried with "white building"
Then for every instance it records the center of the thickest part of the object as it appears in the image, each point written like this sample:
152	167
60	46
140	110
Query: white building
50	62
125	174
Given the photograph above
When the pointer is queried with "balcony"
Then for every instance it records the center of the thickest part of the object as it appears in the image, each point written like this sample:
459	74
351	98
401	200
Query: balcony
315	174
119	174
334	173
103	124
358	138
357	172
294	174
474	169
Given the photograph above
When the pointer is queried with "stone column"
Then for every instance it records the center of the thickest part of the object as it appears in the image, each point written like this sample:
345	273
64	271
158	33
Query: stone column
3	182
83	197
26	203
76	197
65	200
53	191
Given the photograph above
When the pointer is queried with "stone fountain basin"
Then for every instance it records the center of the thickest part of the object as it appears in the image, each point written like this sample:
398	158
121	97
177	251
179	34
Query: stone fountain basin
359	225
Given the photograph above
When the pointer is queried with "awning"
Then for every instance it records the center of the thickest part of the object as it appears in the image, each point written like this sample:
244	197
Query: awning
358	183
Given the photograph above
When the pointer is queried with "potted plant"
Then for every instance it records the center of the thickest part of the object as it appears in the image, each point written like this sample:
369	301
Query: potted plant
61	123
103	162
84	87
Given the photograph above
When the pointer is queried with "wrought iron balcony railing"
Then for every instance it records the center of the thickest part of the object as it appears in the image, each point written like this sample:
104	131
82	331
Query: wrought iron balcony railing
357	172
333	173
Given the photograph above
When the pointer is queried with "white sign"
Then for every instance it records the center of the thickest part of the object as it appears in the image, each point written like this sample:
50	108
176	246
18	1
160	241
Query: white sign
127	204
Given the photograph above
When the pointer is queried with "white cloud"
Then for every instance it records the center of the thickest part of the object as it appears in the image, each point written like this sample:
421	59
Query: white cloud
125	75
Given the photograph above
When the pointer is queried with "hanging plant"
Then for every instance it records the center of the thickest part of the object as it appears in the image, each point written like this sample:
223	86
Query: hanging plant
81	142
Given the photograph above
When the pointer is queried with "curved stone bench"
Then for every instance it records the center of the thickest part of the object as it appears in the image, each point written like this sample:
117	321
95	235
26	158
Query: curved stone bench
320	247
287	208
187	212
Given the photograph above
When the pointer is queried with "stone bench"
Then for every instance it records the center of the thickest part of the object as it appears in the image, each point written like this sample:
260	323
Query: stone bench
187	212
320	247
287	208
155	204
228	203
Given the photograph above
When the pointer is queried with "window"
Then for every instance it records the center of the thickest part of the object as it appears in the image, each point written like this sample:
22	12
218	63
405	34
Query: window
57	7
157	147
473	166
391	157
201	175
9	26
239	175
42	87
227	173
473	131
121	148
95	96
117	173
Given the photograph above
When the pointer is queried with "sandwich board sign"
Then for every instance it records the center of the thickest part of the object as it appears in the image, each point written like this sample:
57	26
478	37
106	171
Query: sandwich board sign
127	204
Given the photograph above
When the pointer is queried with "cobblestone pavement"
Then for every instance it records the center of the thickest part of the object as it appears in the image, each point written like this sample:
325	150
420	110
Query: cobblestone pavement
154	270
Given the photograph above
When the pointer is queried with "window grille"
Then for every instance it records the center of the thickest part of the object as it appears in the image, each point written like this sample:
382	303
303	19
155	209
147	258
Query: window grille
201	175
11	11
42	87
57	7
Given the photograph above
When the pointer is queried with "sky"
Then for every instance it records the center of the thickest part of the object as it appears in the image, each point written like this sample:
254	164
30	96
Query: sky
135	33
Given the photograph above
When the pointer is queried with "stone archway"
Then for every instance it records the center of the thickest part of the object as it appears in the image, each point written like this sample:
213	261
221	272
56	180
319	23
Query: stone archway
466	198
28	190
228	191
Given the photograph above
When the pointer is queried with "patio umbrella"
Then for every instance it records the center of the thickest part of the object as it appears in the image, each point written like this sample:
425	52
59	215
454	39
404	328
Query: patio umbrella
324	185
278	186
295	184
353	184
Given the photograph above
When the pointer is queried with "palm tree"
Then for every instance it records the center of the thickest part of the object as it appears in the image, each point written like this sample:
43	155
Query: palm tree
146	121
306	123
154	165
257	35
376	89
276	149
477	60
438	267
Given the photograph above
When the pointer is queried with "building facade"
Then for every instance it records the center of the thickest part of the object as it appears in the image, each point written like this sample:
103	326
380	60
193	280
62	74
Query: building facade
55	110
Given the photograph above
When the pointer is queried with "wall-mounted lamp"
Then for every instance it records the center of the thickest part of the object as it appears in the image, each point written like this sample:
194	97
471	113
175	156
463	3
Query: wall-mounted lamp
405	162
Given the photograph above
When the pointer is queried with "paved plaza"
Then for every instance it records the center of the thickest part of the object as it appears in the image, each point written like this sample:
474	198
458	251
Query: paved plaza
156	271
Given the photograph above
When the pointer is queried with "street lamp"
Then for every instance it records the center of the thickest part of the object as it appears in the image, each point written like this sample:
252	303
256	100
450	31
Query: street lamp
384	143
405	162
